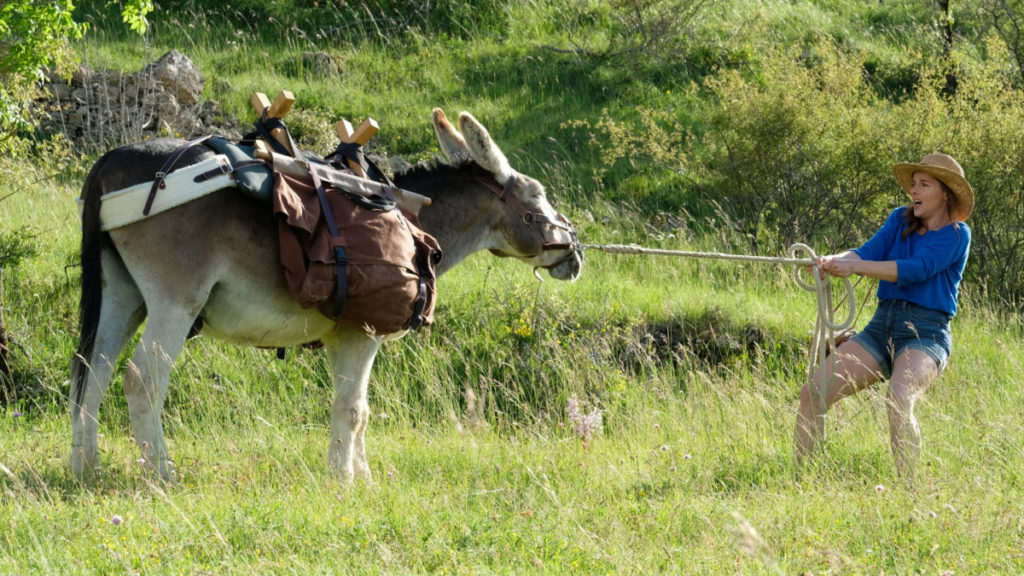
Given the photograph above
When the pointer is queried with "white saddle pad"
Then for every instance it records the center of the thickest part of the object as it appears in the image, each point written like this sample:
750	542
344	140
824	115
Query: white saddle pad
125	206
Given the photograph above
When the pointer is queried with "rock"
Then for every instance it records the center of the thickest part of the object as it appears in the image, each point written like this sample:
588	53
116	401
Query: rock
179	75
82	75
59	90
221	86
100	109
321	64
397	165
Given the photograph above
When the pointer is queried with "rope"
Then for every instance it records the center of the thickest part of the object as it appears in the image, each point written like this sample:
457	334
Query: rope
634	249
825	325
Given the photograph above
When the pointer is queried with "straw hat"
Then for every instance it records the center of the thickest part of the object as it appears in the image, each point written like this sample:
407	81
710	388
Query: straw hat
946	169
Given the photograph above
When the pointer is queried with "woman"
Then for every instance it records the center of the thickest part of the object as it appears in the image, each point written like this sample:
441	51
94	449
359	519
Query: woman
918	256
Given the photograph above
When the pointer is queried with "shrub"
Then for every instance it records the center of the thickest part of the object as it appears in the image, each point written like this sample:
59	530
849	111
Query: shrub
985	132
32	35
15	246
1006	17
804	153
631	33
801	153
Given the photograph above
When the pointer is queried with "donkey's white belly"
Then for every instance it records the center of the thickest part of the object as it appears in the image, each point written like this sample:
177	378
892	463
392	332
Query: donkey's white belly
269	319
216	258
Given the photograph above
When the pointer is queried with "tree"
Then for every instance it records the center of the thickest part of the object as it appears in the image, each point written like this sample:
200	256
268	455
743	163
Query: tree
36	35
947	45
1007	17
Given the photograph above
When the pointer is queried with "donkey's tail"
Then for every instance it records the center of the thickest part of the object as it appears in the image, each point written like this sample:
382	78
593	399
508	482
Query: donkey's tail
91	298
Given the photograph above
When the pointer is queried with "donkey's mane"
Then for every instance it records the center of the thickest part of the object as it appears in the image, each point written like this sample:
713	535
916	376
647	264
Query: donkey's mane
436	166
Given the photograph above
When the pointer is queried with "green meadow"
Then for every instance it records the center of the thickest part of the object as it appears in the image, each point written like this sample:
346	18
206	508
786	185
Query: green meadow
745	127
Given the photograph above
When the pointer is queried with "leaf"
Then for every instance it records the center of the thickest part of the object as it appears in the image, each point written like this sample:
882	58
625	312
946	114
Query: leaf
134	15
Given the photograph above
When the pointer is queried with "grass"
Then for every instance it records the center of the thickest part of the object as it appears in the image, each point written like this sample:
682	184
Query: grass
669	488
477	468
692	475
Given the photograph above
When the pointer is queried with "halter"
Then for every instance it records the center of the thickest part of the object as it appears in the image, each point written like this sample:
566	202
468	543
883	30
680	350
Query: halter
535	220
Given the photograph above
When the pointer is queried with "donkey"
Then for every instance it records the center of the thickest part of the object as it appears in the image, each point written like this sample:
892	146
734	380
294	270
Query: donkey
214	262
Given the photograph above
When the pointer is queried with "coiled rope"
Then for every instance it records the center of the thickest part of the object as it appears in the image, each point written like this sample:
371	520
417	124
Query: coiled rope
825	325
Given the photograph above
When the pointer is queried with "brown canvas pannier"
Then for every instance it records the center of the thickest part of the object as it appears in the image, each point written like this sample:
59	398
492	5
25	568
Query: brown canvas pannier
388	265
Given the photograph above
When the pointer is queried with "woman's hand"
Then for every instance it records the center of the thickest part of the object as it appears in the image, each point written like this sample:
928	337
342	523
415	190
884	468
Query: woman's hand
837	265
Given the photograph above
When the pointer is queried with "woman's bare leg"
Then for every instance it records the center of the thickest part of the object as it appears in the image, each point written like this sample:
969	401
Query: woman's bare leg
855	369
913	372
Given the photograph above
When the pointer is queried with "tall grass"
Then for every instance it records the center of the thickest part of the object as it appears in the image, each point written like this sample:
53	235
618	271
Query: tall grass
696	366
693	473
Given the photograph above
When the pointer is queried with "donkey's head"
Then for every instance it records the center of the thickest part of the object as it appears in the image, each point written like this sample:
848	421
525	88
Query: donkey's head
537	233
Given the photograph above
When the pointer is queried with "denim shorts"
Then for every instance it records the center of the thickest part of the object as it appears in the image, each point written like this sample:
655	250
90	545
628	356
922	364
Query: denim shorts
898	324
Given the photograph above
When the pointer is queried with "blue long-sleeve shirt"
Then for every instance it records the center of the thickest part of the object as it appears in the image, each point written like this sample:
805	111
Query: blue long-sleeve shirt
929	265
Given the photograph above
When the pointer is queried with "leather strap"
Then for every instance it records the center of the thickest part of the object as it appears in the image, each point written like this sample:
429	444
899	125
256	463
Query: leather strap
340	258
532	219
226	168
417	319
158	181
265	125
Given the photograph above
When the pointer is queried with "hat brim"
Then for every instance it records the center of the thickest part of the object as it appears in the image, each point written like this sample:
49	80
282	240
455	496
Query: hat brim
904	173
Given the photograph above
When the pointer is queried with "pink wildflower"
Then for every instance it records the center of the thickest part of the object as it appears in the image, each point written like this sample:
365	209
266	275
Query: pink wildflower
586	426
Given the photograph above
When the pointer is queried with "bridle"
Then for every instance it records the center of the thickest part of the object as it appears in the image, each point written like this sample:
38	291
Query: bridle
536	220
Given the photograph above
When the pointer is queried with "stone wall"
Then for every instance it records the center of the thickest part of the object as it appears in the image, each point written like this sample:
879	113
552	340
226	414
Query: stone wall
101	109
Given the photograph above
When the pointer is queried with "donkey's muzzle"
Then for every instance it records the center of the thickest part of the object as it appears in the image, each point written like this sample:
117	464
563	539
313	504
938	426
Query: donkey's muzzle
569	266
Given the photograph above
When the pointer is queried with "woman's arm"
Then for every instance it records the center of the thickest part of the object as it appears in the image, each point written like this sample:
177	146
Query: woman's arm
849	262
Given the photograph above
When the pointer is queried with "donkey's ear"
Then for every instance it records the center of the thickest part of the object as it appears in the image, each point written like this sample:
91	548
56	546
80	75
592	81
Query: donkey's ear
453	145
484	150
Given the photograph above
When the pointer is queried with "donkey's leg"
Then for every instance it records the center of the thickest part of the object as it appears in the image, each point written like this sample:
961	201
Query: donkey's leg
351	354
121	313
147	378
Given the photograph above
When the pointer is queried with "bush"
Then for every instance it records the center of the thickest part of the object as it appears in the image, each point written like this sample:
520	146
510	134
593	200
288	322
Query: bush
1006	17
804	153
985	130
32	35
15	246
631	33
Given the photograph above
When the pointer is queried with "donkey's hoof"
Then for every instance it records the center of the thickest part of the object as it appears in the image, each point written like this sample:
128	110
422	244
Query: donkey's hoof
160	471
84	466
345	475
363	474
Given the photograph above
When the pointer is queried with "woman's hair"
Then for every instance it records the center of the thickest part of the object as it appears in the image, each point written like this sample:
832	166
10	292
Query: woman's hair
914	223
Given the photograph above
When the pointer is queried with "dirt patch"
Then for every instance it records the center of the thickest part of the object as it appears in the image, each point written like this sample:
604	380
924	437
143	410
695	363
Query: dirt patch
711	338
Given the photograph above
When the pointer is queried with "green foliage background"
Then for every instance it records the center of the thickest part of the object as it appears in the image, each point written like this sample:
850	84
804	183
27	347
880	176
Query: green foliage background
736	126
782	129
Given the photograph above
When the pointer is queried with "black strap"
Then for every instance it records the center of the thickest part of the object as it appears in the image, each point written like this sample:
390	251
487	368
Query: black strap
417	320
340	258
264	125
227	168
345	151
158	181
